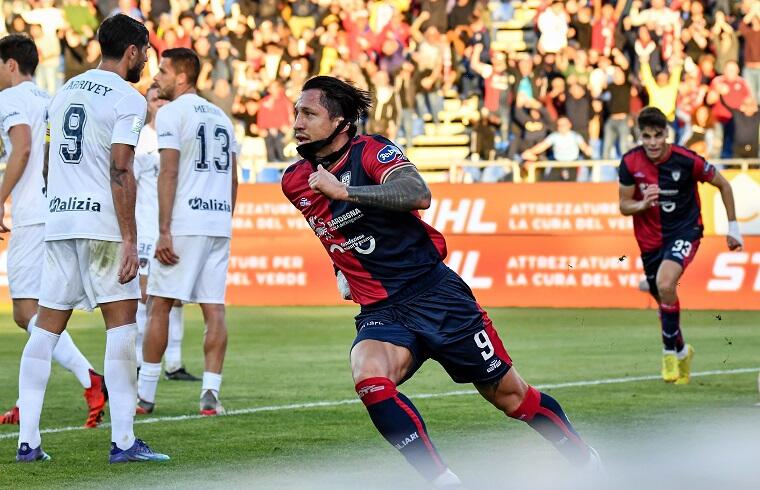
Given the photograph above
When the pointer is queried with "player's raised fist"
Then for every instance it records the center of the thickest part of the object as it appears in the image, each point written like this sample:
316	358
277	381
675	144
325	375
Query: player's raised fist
324	182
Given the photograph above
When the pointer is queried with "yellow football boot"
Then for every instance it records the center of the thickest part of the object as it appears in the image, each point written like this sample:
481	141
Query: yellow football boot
669	368
684	366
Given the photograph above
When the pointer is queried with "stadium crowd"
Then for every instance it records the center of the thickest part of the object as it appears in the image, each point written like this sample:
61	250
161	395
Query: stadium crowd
590	64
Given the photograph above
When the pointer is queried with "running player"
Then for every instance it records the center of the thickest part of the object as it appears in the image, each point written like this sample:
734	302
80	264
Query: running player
658	187
146	213
361	196
90	237
22	111
197	185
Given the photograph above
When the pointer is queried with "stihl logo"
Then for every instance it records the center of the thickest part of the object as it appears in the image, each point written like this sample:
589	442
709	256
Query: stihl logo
731	269
463	215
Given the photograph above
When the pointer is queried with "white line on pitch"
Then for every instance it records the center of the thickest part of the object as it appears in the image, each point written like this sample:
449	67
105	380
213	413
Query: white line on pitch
298	406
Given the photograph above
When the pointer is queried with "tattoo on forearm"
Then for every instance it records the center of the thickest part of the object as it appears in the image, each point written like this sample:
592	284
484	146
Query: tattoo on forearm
117	174
404	190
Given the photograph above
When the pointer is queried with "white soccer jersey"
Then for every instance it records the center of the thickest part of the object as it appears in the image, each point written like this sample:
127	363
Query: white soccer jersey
90	113
205	138
146	172
26	104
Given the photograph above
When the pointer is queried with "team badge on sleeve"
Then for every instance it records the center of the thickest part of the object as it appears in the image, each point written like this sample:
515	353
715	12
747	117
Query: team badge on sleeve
137	124
390	154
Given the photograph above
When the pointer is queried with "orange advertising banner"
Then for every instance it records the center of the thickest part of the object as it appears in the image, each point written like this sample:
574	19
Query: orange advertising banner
543	271
538	245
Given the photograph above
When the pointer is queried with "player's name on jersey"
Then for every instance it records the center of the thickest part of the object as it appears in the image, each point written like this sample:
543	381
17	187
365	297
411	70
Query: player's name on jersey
207	109
58	205
94	87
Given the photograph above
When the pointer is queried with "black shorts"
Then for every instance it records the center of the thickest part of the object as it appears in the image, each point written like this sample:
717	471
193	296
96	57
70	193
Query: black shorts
680	248
440	320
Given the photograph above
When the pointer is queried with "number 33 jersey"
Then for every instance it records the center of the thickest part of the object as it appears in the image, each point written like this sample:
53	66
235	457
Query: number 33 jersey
90	113
204	137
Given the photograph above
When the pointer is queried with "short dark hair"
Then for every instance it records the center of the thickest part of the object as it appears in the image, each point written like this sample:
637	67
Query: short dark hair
341	98
20	48
184	60
119	32
651	117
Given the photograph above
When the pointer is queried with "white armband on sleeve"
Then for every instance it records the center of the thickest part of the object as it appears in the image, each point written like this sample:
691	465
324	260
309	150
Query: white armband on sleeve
733	232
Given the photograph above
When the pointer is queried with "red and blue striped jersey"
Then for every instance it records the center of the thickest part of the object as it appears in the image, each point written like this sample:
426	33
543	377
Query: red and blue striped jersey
378	250
677	175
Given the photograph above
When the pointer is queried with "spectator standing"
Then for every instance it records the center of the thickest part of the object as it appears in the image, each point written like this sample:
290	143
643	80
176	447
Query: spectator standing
275	116
750	31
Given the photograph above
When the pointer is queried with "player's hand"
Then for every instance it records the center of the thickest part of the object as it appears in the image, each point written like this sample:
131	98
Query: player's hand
165	250
130	264
326	183
734	237
3	228
343	288
651	196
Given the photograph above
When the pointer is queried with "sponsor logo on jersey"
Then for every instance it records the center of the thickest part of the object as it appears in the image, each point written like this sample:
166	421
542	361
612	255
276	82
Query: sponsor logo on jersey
200	204
58	205
344	219
362	244
388	154
345	178
676	174
165	134
668	206
304	202
668	192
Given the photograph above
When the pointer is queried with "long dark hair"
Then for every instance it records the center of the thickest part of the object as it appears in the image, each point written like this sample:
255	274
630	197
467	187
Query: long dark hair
341	98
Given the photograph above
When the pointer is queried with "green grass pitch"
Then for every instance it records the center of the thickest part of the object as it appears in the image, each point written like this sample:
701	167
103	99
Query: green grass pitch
285	356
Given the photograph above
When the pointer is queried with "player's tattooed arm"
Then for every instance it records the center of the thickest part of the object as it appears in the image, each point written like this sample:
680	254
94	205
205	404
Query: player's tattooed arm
124	189
403	190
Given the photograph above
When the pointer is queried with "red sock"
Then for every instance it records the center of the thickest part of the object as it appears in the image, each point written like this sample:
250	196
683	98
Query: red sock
400	424
545	415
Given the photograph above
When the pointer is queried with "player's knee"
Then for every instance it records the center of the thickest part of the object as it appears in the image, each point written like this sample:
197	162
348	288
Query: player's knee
666	287
526	406
375	390
21	319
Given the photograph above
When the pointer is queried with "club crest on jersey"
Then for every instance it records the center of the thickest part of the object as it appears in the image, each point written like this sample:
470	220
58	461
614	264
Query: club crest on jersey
676	174
388	154
345	178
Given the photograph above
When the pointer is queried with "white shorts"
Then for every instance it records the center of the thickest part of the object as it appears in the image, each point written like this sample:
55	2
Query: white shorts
82	273
146	248
25	259
200	276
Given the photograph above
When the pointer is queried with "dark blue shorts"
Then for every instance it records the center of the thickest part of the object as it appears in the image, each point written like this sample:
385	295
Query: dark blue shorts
679	248
438	318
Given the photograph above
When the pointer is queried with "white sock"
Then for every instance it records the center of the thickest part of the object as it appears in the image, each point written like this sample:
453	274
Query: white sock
173	354
68	355
148	382
120	369
32	380
683	353
142	321
447	479
211	381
